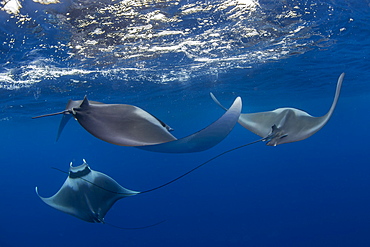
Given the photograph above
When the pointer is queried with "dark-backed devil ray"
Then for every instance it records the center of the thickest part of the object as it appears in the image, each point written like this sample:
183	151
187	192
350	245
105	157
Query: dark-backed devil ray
88	195
288	124
128	125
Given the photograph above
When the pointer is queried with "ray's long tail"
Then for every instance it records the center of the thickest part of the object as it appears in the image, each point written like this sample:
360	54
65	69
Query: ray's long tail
199	166
51	114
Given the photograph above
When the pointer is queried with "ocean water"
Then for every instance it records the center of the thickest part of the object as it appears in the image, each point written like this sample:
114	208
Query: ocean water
166	57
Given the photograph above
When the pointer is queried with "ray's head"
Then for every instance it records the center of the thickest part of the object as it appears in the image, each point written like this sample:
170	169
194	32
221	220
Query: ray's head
275	137
79	171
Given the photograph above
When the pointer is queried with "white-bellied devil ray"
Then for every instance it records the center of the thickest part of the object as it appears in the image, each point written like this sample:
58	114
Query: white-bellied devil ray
285	125
128	125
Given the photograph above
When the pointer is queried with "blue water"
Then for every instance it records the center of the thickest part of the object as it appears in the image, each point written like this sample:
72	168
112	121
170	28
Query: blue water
165	57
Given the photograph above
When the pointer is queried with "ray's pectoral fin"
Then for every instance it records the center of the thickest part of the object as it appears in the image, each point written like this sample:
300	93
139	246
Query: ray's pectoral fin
65	118
321	121
63	123
205	138
217	102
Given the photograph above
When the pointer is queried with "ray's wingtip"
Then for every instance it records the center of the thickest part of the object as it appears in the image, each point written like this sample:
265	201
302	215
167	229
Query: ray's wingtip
213	97
37	191
340	80
238	101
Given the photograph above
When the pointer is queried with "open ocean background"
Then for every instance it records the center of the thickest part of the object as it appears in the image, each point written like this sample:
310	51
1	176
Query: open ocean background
166	57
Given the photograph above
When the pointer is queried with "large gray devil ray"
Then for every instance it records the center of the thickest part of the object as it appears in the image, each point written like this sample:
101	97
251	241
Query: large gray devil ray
87	194
285	125
128	125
